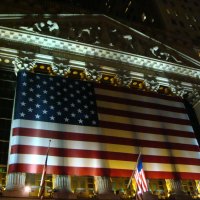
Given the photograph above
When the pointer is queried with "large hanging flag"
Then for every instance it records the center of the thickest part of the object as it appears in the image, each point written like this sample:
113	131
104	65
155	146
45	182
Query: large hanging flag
97	129
42	182
140	180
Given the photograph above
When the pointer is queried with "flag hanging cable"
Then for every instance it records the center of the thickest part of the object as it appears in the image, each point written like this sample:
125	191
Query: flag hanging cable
42	182
140	179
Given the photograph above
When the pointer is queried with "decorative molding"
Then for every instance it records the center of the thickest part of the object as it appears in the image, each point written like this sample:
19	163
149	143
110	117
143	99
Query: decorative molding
121	68
137	61
163	55
23	63
117	78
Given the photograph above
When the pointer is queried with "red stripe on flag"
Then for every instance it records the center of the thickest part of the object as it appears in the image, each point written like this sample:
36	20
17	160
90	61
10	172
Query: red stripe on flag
144	129
139	92
102	139
61	152
84	171
143	116
139	103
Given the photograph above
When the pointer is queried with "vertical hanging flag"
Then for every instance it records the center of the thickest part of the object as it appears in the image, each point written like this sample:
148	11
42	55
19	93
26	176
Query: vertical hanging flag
42	182
140	179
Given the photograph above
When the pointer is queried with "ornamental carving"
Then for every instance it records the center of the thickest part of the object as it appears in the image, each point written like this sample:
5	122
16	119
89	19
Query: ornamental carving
158	53
100	31
121	78
23	63
48	27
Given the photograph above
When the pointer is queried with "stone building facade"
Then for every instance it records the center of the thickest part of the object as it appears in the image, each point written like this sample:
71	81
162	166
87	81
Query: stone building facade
99	49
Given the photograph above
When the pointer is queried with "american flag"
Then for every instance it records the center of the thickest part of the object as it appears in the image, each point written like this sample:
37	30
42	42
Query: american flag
140	180
97	130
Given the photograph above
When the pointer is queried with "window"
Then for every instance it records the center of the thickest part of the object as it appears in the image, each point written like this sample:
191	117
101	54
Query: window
189	186
158	187
5	129
10	89
2	176
3	152
91	183
6	107
119	184
6	75
82	184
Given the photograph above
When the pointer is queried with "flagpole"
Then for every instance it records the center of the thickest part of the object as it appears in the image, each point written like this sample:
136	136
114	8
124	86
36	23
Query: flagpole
134	170
42	182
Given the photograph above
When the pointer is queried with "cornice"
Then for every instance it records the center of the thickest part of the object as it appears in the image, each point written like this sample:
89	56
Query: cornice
136	61
124	69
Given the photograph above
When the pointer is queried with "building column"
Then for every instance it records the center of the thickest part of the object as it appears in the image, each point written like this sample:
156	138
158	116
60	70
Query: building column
15	185
177	192
104	188
103	185
62	182
198	186
62	187
175	185
15	181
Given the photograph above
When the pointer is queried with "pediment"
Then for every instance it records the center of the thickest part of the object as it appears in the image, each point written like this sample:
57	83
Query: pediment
100	31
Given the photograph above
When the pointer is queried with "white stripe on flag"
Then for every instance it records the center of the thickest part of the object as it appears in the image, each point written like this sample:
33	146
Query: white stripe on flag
102	131
70	144
143	110
147	123
98	163
144	99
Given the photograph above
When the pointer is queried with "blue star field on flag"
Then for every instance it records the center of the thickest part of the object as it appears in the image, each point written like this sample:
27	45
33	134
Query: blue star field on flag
55	99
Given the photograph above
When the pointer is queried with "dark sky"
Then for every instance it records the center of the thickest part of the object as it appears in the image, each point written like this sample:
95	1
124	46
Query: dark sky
122	10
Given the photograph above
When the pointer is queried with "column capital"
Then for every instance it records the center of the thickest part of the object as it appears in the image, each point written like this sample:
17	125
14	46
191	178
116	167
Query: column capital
23	63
